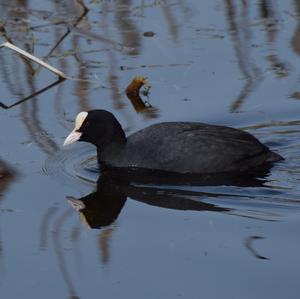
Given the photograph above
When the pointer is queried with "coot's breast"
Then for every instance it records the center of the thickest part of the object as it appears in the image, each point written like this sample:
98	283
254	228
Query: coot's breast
187	147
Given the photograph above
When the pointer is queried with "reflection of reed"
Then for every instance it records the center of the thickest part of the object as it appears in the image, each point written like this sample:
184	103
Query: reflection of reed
59	251
45	227
131	37
104	244
59	111
75	239
7	175
296	37
58	248
68	30
171	20
249	246
36	132
64	66
2	259
113	79
14	85
32	96
241	36
30	119
13	81
29	113
81	87
267	13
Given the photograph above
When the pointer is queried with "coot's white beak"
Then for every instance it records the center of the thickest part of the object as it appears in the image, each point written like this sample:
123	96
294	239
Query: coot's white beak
72	137
75	135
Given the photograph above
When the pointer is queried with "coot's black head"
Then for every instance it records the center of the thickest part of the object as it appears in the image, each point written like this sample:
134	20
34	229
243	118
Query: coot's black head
98	127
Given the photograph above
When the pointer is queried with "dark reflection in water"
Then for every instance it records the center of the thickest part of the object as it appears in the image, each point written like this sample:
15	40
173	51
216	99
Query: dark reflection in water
267	13
35	129
131	36
113	79
171	20
271	22
240	30
296	37
16	82
56	235
249	246
20	83
102	207
7	176
45	226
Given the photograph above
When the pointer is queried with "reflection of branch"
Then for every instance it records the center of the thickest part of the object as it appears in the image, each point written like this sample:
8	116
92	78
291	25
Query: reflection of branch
50	145
112	77
95	36
267	13
59	112
44	226
82	88
173	26
280	68
7	175
59	251
250	72
127	27
295	42
68	31
246	90
4	106
33	124
83	6
104	244
2	259
248	244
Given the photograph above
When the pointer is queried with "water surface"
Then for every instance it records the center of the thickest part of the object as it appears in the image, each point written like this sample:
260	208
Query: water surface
65	233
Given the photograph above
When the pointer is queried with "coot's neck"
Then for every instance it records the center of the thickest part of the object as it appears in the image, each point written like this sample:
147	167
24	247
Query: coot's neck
113	144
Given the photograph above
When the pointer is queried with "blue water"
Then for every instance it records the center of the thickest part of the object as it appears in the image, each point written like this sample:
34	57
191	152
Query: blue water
225	62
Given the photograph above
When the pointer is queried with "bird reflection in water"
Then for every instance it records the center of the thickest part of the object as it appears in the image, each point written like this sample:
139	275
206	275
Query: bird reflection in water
102	207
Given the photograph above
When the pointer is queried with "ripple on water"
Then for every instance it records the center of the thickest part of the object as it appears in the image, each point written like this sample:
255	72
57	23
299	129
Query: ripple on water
278	194
74	164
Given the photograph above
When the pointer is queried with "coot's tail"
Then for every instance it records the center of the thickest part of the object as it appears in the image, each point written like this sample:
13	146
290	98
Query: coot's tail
273	157
260	160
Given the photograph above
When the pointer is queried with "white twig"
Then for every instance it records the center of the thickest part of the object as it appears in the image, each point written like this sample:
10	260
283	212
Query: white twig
33	58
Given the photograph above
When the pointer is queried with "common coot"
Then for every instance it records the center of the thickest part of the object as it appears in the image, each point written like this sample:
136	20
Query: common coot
173	147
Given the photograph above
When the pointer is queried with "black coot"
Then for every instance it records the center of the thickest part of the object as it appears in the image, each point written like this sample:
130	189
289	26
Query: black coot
174	147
